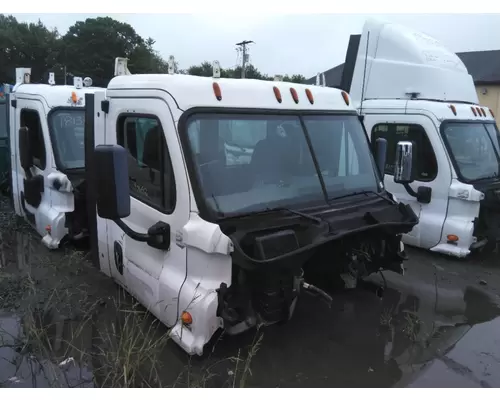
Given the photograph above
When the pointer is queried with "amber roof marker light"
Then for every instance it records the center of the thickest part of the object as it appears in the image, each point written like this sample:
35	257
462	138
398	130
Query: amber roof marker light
345	96
295	96
309	96
217	91
277	93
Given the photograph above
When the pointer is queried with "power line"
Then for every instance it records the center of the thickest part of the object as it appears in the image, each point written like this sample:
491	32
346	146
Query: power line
242	46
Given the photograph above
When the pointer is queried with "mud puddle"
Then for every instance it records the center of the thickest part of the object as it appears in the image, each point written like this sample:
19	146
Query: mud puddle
64	324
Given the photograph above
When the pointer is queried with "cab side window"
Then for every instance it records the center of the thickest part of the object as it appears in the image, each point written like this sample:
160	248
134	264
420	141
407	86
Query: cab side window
31	120
425	162
151	176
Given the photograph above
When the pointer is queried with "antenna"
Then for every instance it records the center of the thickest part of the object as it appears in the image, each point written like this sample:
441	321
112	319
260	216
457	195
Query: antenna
364	75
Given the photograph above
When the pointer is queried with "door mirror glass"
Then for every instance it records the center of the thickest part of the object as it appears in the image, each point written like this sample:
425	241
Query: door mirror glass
381	154
25	149
403	167
112	187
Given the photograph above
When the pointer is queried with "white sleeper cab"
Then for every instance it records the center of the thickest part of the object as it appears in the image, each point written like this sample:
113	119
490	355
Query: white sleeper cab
407	86
45	124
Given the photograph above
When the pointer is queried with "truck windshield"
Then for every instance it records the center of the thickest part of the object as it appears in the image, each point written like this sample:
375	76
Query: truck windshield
67	134
474	148
247	163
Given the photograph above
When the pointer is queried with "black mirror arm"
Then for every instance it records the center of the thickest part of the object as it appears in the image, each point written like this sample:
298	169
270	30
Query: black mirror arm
140	237
409	190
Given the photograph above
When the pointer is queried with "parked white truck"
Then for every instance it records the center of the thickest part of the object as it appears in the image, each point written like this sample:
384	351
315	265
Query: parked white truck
47	122
407	86
207	241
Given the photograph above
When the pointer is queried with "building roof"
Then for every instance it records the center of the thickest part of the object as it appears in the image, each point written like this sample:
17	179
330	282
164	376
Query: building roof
332	77
484	66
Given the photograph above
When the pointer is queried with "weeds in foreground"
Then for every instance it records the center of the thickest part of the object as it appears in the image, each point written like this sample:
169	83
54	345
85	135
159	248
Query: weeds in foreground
125	350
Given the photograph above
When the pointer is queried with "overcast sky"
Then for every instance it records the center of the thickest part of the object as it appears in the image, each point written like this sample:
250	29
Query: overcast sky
284	44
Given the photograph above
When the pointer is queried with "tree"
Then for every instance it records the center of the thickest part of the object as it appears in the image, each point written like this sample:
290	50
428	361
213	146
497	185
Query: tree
91	46
27	45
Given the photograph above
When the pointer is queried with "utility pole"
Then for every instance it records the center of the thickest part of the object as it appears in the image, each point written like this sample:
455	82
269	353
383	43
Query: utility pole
243	48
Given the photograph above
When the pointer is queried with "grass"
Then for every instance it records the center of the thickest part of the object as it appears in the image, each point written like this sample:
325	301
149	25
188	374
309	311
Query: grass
127	350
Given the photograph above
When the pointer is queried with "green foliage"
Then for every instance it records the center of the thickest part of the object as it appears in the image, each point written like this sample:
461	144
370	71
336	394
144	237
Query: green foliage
89	48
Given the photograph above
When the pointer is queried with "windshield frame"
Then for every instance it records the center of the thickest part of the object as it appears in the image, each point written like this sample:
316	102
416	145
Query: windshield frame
451	155
60	167
211	215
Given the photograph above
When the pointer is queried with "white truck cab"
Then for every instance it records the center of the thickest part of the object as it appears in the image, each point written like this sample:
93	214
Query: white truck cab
407	86
217	199
45	123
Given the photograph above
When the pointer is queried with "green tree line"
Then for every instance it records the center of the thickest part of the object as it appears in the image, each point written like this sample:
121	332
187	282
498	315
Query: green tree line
89	48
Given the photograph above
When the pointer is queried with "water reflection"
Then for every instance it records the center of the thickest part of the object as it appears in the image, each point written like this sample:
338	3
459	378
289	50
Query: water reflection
370	342
42	352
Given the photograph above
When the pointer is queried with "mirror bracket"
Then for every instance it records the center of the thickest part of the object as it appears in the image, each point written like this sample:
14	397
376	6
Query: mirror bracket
158	235
423	193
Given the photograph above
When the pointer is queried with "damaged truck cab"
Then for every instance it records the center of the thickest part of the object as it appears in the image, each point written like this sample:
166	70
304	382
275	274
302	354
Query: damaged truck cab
208	238
407	86
45	125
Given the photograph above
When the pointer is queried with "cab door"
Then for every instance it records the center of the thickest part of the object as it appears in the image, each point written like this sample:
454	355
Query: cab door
159	195
33	198
431	170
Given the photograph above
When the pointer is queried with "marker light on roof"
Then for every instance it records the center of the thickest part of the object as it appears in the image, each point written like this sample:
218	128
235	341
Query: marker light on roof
478	111
74	97
295	96
483	112
491	112
310	96
217	91
453	109
277	93
474	111
345	96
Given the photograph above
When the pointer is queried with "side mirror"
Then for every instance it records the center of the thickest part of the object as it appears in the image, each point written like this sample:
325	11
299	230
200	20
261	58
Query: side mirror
403	168
381	155
25	149
112	186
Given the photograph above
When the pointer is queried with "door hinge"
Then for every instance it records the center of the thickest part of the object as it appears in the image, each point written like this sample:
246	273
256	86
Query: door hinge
105	106
13	103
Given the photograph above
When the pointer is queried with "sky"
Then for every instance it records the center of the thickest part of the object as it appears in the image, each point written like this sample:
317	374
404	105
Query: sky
284	44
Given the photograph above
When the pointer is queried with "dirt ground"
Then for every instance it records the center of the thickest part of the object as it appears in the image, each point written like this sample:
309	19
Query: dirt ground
63	323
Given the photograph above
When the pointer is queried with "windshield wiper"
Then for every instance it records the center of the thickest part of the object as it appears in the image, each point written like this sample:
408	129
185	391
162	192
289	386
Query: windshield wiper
291	211
360	192
278	209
